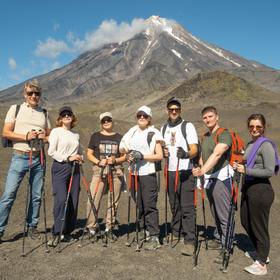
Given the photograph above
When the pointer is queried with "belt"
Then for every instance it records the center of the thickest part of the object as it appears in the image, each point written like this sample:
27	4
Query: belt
34	153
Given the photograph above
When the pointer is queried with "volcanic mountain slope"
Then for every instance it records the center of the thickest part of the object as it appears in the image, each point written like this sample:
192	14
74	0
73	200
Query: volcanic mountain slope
164	54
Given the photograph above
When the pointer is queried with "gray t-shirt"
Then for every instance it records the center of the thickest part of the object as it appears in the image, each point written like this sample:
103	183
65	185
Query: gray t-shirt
265	161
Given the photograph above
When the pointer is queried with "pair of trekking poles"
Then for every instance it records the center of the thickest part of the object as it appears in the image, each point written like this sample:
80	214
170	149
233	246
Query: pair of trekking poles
93	208
32	143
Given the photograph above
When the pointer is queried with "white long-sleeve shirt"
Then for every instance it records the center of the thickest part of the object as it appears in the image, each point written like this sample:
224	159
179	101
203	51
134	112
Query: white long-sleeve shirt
63	143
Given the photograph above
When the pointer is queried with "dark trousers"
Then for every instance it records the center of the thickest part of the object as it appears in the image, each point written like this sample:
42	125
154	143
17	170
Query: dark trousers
256	200
182	204
147	195
61	174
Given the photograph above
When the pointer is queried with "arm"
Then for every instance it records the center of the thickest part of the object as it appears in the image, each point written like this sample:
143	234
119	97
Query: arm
158	155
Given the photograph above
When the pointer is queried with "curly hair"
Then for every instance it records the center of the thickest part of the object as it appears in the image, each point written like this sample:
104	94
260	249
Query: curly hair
73	123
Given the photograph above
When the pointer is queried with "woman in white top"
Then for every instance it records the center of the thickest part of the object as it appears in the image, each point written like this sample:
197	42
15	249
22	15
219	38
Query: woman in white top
142	144
65	149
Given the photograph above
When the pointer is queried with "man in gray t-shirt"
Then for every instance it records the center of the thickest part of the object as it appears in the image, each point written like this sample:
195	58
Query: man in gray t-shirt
30	123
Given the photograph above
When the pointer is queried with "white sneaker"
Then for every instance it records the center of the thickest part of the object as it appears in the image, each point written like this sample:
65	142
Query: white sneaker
256	268
253	255
92	232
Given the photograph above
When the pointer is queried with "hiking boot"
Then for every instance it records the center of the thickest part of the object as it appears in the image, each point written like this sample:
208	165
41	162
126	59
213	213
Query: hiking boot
256	268
219	258
253	255
187	249
54	241
110	235
214	244
33	233
68	238
152	243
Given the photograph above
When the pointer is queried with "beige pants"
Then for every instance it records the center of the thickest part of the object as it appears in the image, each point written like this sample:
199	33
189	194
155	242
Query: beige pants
98	186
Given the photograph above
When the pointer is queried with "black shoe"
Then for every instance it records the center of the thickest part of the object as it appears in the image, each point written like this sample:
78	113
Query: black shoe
110	235
68	238
33	233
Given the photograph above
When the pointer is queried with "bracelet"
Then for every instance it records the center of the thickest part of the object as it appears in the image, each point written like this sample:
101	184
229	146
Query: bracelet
26	137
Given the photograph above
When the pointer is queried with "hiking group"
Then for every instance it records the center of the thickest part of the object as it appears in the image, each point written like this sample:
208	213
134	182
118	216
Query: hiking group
219	164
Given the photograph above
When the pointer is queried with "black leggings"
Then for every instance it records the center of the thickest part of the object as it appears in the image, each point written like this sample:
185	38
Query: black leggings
256	201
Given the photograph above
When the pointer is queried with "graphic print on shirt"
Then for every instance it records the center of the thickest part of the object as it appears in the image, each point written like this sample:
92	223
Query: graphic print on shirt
173	138
108	148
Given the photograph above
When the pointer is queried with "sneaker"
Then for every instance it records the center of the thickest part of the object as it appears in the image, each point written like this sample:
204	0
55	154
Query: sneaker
33	233
256	268
92	232
253	255
188	249
54	241
152	243
68	238
214	244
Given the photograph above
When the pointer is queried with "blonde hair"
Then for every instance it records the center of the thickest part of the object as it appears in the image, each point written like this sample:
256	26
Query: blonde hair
34	84
73	123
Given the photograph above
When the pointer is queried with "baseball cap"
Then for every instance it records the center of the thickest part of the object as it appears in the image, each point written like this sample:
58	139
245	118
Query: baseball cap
106	114
145	109
65	109
173	101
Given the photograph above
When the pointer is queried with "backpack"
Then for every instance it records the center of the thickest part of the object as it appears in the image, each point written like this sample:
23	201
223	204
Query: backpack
149	140
195	160
9	143
237	147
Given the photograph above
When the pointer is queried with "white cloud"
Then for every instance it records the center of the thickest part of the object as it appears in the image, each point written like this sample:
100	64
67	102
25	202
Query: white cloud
55	65
12	63
51	48
108	32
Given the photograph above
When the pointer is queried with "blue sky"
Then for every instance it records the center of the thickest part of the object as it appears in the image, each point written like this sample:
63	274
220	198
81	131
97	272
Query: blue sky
37	36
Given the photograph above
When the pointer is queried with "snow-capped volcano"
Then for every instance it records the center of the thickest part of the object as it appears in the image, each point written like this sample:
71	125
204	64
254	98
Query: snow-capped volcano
163	54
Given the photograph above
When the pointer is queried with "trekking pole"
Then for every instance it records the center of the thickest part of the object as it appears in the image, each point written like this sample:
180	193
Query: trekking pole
136	208
174	200
128	243
66	205
197	241
165	199
228	250
28	193
204	216
43	164
91	201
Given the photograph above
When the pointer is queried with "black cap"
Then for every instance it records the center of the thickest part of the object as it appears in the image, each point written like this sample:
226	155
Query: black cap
65	109
173	101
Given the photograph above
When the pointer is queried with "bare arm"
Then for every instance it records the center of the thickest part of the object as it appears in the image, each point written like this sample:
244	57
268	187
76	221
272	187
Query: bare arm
158	155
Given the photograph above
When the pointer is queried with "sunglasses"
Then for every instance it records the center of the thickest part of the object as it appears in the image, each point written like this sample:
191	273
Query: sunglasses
66	113
171	110
106	119
257	127
30	93
139	116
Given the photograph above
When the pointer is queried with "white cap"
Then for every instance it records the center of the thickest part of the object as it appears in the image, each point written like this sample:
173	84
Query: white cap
145	109
106	114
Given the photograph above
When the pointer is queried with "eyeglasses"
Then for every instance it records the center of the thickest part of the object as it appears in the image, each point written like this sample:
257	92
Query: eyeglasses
106	119
177	110
257	127
139	116
30	93
66	113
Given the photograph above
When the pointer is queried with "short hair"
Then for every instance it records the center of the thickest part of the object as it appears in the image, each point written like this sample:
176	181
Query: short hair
33	84
259	117
209	109
73	123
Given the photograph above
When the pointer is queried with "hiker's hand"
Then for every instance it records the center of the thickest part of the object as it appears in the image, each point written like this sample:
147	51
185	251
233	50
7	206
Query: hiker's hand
75	158
41	134
32	134
240	168
182	154
111	160
197	172
102	162
135	156
165	152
